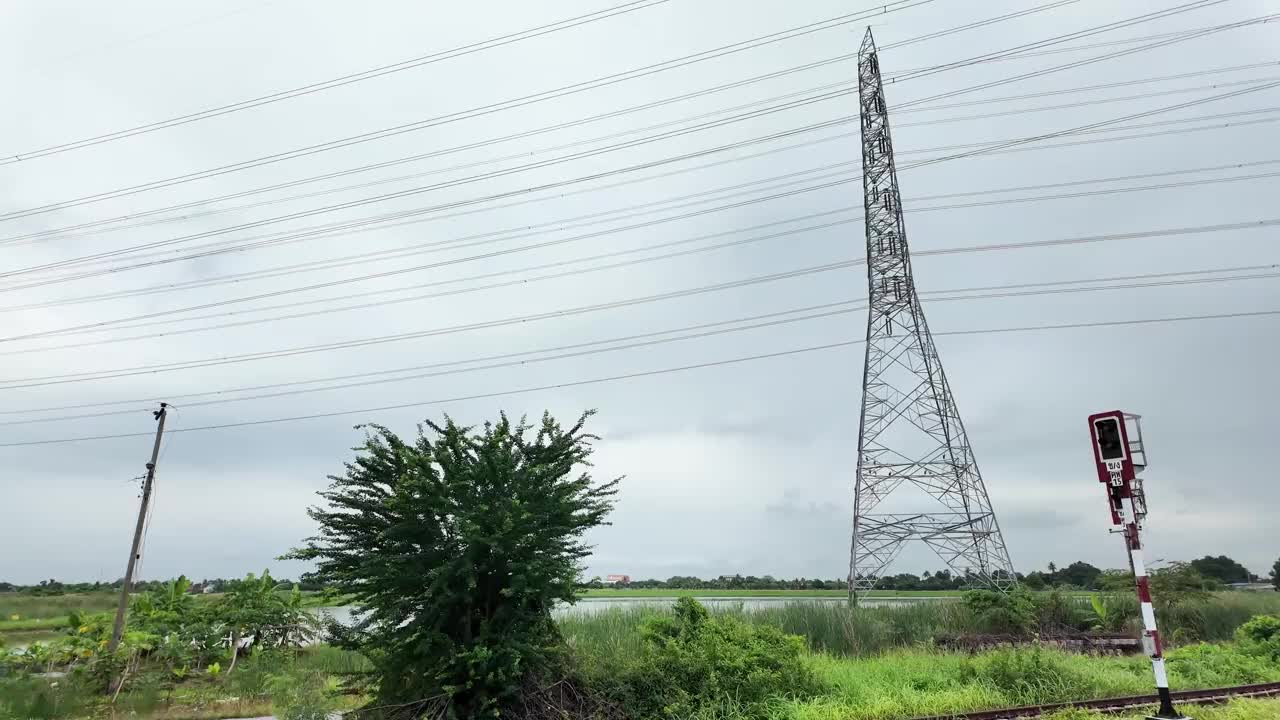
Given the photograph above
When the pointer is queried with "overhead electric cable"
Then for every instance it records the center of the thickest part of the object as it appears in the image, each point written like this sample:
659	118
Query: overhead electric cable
86	227
75	377
523	134
457	182
605	216
987	147
1089	127
471	113
771	319
147	320
1075	64
651	373
1261	20
435	57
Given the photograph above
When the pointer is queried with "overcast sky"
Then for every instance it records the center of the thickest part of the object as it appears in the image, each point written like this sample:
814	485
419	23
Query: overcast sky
746	467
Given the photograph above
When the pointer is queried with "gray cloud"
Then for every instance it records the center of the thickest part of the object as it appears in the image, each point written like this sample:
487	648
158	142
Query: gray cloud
738	468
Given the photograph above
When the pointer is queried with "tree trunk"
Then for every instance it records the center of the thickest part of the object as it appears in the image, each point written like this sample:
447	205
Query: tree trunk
235	650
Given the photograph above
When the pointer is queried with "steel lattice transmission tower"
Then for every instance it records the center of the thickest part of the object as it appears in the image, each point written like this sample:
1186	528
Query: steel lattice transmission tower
911	434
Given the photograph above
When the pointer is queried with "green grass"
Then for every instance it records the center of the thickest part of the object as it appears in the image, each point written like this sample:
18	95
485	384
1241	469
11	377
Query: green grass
837	629
1217	618
33	607
622	593
332	660
906	678
22	612
30	624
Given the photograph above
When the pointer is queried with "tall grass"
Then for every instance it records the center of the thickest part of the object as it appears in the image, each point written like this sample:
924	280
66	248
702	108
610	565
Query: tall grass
1216	619
841	630
53	606
837	629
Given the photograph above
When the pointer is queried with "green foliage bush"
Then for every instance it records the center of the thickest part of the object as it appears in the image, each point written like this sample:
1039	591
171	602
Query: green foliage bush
694	663
1261	636
1012	613
1056	613
457	546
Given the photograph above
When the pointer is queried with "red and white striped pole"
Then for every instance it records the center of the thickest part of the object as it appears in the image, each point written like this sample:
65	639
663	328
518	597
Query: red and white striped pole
1150	634
1115	454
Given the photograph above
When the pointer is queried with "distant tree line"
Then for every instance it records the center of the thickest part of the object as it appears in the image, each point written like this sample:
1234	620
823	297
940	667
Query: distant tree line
1212	572
219	585
1215	571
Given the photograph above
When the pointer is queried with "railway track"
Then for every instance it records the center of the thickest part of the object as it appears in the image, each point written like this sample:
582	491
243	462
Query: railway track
1121	704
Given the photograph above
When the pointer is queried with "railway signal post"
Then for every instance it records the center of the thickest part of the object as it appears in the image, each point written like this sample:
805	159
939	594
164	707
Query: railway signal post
1119	456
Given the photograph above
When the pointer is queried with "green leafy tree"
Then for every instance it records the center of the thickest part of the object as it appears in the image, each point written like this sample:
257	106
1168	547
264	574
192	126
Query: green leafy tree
1034	580
258	611
1115	580
1275	575
1178	584
1078	574
1221	568
458	546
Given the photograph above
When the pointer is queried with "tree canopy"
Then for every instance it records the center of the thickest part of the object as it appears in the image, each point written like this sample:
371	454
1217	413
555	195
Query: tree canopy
457	546
1221	568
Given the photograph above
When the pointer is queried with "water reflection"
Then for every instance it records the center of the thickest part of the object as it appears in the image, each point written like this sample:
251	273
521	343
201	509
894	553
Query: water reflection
596	605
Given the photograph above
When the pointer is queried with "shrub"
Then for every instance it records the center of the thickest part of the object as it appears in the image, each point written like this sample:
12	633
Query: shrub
1056	613
458	546
1261	636
1012	613
695	663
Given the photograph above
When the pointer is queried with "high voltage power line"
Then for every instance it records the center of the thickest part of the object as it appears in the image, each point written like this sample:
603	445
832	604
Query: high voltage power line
385	221
761	321
599	82
988	147
435	57
837	174
1093	126
472	112
85	228
578	310
890	78
1087	61
449	54
1058	39
1090	88
454	183
561	224
662	371
130	323
826	309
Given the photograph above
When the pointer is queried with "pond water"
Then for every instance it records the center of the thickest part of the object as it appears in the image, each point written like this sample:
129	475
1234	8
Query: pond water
596	605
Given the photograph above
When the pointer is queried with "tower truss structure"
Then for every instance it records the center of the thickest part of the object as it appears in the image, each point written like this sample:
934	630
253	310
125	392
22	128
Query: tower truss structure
911	434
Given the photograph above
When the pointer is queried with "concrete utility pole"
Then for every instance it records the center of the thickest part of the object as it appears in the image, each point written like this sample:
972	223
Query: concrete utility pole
118	631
